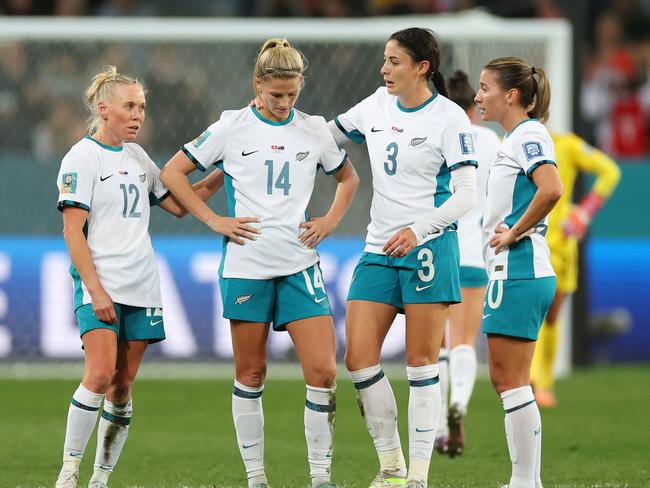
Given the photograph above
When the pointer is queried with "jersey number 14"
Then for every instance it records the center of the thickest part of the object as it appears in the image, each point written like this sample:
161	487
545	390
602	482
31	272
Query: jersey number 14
282	181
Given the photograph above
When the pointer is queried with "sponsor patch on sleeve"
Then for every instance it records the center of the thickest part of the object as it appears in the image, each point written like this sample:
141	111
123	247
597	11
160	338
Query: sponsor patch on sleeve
201	139
69	183
533	150
466	143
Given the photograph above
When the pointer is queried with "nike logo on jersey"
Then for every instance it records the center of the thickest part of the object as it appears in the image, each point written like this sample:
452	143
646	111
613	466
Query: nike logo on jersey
243	299
244	153
153	323
248	446
376	130
417	429
486	315
420	288
318	300
104	178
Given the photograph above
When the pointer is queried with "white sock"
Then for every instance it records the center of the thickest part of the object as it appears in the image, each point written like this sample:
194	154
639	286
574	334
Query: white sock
379	410
524	435
320	418
443	374
462	371
424	413
82	416
248	417
112	433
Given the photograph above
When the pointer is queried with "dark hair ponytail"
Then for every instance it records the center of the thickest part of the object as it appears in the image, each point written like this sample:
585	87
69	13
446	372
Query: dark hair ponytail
421	45
460	91
531	82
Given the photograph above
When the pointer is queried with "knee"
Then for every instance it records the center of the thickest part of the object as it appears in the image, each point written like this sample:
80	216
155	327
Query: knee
98	381
321	376
252	376
120	391
356	360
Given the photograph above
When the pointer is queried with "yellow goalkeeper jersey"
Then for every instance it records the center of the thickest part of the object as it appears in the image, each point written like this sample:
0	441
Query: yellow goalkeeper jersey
574	155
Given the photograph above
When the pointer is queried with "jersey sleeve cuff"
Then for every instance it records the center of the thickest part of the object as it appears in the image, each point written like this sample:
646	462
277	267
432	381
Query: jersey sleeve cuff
154	200
191	157
529	173
71	203
469	162
336	170
353	135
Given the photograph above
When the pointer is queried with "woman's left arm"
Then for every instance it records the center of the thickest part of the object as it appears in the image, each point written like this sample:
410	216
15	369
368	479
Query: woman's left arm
549	191
319	228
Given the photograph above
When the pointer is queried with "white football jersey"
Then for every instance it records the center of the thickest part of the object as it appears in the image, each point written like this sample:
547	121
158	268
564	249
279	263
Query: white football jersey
270	169
116	185
487	144
510	190
412	151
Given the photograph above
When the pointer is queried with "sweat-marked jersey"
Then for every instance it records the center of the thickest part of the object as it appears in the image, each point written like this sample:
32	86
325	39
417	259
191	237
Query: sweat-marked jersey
116	185
470	232
269	168
510	190
412	152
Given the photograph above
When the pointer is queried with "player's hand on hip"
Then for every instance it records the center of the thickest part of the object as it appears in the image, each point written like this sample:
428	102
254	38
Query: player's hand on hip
103	307
315	231
402	243
504	237
236	229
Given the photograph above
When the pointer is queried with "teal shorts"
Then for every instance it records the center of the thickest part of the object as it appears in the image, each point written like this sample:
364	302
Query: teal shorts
133	323
517	308
279	300
428	274
471	277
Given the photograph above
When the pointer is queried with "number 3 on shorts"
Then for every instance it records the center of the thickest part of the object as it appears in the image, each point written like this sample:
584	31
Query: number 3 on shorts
427	272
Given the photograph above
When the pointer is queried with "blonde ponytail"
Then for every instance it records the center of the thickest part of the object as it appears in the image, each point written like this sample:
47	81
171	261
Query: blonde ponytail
277	58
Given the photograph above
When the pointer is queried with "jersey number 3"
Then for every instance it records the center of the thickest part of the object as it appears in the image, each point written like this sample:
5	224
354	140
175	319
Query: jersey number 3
390	166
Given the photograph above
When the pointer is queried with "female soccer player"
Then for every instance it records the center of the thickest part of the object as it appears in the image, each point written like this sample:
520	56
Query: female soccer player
418	142
106	184
522	189
465	317
270	158
567	225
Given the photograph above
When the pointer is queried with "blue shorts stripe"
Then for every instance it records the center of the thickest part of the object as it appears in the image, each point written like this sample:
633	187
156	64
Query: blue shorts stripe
246	394
365	384
518	407
83	407
116	419
320	408
427	382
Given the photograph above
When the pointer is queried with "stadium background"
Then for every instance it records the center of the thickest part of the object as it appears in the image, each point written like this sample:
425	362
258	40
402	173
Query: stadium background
191	78
182	435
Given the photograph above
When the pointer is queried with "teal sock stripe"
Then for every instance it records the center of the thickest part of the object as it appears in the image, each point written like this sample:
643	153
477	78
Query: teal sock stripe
83	407
427	382
443	357
518	407
320	408
246	394
365	384
116	419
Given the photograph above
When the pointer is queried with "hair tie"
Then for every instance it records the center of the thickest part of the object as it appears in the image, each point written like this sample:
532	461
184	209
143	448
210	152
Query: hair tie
532	70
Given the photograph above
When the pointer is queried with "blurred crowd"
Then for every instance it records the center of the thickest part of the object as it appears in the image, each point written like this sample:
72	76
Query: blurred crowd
614	92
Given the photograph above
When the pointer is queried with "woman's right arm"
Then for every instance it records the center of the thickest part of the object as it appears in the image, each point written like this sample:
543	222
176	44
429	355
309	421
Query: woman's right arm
174	176
74	219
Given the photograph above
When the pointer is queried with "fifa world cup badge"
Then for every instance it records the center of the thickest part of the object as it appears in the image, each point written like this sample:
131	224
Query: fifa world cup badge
69	183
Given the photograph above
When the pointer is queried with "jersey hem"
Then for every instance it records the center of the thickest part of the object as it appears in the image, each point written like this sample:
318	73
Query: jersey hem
271	277
71	203
191	157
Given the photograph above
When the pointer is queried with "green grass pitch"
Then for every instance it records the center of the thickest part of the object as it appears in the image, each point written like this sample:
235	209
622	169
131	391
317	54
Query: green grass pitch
182	435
